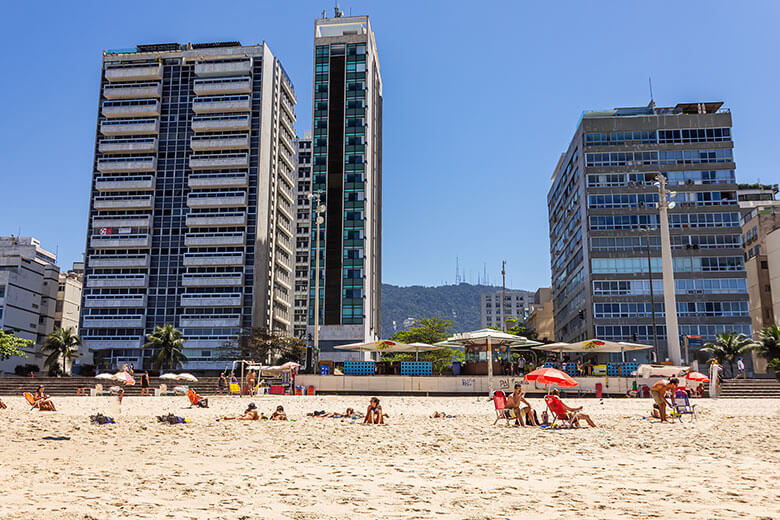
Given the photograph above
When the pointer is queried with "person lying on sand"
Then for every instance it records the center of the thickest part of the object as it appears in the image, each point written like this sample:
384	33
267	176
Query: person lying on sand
279	414
171	419
349	414
42	400
99	418
374	413
514	402
441	415
250	414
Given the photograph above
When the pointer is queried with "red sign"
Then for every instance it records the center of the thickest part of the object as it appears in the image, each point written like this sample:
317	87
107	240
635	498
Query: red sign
106	231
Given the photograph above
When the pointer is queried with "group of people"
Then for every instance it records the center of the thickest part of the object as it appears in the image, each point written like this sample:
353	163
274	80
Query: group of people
518	408
373	415
251	414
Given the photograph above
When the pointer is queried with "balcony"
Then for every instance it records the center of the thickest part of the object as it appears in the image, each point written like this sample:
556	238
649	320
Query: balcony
114	322
227	199
206	321
138	221
132	145
130	127
120	202
125	183
211	300
127	280
222	104
220	123
217	161
235	238
138	72
213	280
225	180
215	220
132	91
115	300
131	108
111	241
213	259
219	142
206	87
127	164
210	69
110	262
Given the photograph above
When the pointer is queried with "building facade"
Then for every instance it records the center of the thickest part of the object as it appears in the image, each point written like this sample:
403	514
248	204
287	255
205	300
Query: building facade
191	215
303	234
541	317
68	306
603	215
28	295
516	308
347	175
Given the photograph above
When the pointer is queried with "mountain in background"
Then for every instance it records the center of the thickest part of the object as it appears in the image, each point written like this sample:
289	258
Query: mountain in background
459	303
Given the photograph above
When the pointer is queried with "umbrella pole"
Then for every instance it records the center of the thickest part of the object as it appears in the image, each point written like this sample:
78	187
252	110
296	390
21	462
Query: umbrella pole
490	366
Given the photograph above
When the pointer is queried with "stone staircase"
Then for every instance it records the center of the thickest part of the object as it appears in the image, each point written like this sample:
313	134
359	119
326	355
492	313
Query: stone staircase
67	386
750	388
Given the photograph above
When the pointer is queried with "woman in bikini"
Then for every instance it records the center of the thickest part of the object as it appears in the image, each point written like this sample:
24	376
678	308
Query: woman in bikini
374	413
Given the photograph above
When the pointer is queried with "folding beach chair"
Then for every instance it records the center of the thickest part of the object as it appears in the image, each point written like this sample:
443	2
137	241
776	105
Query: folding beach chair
682	406
30	400
499	401
562	418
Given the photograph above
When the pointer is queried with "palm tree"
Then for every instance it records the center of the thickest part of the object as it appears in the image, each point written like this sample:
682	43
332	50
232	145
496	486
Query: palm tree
61	344
768	344
727	347
168	345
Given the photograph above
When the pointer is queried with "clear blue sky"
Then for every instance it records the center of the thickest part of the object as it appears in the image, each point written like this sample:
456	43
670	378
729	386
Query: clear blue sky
480	100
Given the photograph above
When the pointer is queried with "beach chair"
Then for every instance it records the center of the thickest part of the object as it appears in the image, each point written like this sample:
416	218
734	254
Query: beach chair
683	406
499	401
562	418
31	400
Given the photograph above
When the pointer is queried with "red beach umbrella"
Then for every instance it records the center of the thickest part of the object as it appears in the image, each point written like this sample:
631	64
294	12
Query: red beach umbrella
697	376
550	376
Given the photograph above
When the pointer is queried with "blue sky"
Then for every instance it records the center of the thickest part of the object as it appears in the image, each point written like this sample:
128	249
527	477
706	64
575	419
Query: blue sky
480	100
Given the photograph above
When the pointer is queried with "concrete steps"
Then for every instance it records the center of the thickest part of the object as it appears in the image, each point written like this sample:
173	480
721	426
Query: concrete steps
67	386
750	388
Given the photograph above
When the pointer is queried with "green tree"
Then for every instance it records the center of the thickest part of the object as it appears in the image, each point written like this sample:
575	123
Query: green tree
258	343
727	347
430	331
775	365
768	344
60	346
12	345
168	345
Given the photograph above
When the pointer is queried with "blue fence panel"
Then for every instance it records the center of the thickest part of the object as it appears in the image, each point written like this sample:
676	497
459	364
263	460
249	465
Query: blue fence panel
415	368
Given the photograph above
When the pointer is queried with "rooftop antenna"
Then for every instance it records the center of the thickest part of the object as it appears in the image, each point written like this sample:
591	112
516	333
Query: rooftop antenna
339	12
652	99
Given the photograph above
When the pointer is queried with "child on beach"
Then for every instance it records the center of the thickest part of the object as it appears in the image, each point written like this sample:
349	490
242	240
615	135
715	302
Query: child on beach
279	414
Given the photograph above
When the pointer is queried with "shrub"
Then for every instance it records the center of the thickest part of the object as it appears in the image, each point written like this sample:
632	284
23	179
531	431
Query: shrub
24	370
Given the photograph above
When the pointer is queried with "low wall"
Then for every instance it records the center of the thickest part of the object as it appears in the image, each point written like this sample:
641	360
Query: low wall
466	385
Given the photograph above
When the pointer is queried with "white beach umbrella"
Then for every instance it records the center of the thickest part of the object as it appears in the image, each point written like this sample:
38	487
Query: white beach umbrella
105	375
170	376
187	377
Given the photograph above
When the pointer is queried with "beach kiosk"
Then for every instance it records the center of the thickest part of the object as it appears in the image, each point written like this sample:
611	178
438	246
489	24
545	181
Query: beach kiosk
592	348
406	368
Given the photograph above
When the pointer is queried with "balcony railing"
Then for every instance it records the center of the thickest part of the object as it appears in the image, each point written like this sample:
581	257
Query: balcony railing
110	261
219	142
216	161
120	241
135	72
115	322
116	300
236	238
131	145
213	259
240	85
223	68
130	127
125	183
127	164
210	321
224	180
220	123
121	202
216	200
131	108
212	280
222	104
211	300
126	280
215	220
132	91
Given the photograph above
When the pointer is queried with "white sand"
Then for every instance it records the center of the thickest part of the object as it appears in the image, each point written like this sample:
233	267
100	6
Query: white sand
725	465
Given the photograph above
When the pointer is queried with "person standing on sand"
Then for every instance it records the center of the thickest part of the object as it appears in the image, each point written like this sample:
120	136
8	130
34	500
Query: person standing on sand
144	384
659	390
221	383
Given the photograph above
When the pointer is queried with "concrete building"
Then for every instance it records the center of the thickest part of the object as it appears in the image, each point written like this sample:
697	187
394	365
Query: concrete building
68	306
303	234
347	173
603	214
28	294
773	266
191	208
541	317
516	308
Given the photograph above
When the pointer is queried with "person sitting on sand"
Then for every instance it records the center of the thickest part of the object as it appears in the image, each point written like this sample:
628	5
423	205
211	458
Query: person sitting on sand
659	390
250	414
42	401
374	413
514	402
279	414
580	415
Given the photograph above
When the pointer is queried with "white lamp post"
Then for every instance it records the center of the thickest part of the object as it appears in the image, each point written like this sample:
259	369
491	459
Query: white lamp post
670	300
318	209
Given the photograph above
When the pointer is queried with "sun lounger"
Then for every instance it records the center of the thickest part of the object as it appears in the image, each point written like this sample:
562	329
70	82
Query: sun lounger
562	418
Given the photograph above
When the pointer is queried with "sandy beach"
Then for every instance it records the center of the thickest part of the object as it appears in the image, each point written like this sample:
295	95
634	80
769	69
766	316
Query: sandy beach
57	465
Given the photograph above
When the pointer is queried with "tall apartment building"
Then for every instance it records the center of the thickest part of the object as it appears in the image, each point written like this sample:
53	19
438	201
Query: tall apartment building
68	306
303	234
516	307
347	173
603	211
191	207
28	295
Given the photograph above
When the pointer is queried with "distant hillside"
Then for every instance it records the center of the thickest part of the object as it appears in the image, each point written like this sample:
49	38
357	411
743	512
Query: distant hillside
459	303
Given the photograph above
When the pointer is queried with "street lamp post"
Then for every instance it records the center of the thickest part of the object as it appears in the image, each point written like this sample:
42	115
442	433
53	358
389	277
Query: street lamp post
652	297
318	209
670	301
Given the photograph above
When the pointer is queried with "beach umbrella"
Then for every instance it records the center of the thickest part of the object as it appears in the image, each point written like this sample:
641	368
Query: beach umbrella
697	376
290	365
105	375
550	376
187	377
169	376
